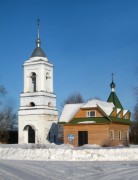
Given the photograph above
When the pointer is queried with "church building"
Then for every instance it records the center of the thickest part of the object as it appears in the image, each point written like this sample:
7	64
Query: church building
96	122
38	115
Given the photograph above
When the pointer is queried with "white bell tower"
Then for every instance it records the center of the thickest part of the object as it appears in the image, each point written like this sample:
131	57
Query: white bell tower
38	116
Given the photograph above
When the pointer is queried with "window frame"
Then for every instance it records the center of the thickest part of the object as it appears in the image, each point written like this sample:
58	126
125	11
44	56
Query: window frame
119	135
88	113
112	135
127	135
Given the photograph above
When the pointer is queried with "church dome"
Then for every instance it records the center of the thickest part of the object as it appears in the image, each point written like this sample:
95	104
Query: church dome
38	52
112	85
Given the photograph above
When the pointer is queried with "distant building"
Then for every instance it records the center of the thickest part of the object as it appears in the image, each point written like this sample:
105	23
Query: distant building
96	122
38	115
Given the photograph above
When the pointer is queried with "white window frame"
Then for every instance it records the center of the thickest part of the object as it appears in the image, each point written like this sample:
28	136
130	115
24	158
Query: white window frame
112	136
127	135
88	113
119	135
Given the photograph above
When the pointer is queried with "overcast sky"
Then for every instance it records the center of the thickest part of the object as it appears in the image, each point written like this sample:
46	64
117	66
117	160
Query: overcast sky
86	40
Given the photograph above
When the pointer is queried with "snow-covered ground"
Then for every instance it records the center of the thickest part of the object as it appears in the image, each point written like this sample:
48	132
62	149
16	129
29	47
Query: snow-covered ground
63	162
61	170
52	152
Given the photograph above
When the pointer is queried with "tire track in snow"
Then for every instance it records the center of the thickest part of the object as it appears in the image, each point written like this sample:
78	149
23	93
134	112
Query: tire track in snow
28	171
61	170
124	170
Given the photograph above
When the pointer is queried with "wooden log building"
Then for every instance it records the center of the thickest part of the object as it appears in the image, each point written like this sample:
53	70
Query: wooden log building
96	122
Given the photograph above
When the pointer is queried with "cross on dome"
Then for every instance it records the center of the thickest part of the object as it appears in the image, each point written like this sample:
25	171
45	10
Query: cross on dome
38	41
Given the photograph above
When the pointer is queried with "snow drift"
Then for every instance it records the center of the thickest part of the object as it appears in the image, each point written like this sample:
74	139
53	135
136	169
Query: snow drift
52	152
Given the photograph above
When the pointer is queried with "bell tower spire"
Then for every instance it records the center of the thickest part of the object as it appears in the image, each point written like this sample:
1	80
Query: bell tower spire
38	51
38	41
38	115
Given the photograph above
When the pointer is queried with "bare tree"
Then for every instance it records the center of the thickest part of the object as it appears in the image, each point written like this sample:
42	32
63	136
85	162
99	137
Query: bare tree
134	123
74	98
136	111
8	119
2	93
2	90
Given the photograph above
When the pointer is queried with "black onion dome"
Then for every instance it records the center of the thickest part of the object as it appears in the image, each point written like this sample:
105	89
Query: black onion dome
112	85
38	52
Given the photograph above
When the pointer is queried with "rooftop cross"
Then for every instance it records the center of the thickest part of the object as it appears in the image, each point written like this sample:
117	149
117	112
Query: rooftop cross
38	51
112	77
38	28
38	41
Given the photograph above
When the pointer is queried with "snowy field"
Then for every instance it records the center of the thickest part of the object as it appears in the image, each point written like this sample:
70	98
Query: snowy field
51	162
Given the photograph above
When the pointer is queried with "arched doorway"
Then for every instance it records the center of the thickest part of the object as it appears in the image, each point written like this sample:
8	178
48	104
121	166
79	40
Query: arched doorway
30	135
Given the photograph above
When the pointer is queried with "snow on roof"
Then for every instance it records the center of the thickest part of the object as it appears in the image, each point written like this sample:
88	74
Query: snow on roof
124	112
69	111
107	107
118	110
86	122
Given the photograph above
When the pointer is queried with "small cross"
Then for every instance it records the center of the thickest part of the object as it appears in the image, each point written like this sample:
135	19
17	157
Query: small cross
38	28
112	76
38	22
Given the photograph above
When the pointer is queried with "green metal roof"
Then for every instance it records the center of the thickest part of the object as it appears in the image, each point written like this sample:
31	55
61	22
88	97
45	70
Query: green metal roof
97	120
62	123
114	99
120	120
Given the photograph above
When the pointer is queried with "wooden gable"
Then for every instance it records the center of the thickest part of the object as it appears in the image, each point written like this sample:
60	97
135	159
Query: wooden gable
127	115
114	112
120	114
82	115
83	112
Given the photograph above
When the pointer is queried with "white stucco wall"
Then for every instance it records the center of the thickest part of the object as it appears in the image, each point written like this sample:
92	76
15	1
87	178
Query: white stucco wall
42	126
41	69
43	116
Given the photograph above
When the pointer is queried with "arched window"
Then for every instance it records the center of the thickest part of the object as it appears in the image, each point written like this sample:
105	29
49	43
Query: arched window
48	82
32	104
33	77
47	76
49	104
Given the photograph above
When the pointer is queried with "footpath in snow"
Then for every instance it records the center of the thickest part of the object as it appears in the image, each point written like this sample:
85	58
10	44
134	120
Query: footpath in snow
52	152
